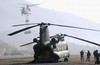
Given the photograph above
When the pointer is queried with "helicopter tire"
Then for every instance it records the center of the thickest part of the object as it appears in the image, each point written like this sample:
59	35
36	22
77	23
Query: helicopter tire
66	59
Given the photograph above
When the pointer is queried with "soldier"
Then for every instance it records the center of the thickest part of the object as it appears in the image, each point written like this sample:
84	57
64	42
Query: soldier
94	53
88	56
97	57
82	55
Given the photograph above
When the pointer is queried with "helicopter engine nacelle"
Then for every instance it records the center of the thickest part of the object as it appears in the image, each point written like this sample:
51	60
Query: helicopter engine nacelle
54	40
35	40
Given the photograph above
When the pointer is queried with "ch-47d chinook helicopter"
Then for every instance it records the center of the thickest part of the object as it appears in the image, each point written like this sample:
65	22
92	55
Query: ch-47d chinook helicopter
50	48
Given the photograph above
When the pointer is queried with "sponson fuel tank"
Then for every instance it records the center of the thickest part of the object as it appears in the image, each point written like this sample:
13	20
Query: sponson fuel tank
62	50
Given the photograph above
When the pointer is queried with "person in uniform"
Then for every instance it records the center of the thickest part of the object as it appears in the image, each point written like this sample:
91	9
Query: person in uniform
94	53
96	57
88	56
82	55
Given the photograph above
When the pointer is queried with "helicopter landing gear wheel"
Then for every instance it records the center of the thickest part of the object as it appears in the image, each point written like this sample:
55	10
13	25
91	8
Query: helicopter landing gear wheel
66	59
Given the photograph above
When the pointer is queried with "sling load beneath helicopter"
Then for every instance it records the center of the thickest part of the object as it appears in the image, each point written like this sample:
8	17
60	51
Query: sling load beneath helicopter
54	48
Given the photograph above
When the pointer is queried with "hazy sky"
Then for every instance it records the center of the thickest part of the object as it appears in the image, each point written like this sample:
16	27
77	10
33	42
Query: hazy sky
77	11
89	9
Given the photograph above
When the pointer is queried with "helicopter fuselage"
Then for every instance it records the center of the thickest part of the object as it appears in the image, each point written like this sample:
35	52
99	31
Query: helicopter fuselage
47	53
49	50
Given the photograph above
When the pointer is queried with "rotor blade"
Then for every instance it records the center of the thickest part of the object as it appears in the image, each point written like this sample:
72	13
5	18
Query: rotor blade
24	24
83	40
21	4
33	5
74	27
26	44
13	33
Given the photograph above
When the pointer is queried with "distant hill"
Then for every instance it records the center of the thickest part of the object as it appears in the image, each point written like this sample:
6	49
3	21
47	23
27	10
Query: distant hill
4	45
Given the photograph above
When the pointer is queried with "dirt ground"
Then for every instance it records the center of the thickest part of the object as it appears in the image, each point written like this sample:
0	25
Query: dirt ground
74	60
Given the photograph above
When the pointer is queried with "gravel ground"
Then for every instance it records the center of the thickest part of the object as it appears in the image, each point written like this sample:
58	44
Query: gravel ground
22	60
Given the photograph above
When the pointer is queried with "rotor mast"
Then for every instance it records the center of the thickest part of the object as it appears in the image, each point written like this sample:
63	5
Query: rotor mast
44	33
